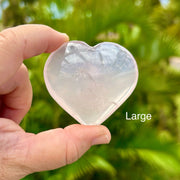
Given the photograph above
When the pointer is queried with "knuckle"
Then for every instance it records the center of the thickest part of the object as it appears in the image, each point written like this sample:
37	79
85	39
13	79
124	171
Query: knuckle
24	69
23	77
3	38
23	73
72	150
8	35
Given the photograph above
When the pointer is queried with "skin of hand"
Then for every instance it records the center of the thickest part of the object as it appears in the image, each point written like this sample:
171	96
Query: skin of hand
23	153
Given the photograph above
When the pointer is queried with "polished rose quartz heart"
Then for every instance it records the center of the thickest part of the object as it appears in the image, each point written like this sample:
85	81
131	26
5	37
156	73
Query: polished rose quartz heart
90	83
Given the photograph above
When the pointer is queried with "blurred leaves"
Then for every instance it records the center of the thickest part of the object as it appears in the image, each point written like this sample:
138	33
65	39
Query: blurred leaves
147	146
85	166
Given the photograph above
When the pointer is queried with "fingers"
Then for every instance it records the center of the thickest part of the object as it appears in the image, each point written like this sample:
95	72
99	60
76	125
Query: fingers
17	96
25	41
55	148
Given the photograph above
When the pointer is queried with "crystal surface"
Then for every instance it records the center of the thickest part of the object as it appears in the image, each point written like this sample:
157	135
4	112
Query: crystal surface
90	83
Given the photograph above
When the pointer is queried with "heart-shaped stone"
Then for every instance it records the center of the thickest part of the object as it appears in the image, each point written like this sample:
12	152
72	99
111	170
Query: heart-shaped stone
90	83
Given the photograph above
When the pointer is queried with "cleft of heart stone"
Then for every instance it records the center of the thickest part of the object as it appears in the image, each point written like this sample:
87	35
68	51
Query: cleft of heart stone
90	83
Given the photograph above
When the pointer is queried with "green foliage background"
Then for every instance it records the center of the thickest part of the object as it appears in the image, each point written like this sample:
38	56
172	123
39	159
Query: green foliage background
151	31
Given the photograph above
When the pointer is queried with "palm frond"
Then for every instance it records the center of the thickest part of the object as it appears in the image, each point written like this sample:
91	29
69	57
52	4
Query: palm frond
85	165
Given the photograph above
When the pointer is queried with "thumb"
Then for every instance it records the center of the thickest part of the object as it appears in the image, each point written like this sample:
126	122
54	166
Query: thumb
55	148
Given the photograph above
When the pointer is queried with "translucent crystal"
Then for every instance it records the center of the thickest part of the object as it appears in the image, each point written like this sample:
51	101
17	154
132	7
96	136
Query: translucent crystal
90	83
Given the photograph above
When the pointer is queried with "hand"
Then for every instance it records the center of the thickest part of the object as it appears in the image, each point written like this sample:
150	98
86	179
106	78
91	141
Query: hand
23	153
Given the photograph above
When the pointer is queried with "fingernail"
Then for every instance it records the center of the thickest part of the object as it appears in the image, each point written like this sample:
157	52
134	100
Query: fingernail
102	139
66	36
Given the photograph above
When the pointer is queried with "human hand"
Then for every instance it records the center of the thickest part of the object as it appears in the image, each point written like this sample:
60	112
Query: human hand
23	153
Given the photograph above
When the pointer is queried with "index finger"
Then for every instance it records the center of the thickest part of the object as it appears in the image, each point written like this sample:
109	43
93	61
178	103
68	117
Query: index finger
24	41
